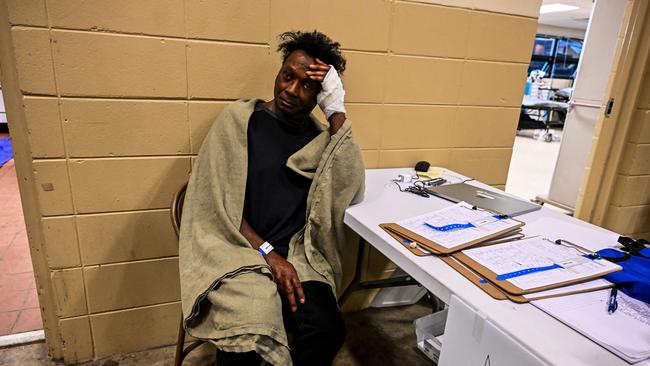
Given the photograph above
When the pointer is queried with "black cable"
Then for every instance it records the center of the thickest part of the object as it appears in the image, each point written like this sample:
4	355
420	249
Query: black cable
421	183
398	186
415	189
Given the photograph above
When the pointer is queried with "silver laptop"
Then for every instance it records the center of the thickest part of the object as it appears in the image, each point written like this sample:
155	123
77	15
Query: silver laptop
485	199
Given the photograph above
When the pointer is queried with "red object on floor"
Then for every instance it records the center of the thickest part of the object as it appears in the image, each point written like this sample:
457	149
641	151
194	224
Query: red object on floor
19	308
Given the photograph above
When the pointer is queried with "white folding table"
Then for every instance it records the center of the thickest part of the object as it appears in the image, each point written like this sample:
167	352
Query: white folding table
541	339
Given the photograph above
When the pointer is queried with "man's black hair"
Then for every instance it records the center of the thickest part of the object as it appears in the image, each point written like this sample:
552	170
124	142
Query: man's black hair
315	44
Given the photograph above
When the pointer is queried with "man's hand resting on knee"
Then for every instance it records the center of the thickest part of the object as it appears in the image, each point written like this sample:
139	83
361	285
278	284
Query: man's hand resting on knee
287	279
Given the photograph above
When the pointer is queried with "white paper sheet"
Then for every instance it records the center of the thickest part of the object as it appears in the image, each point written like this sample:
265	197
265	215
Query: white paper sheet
588	236
582	287
625	333
459	213
536	253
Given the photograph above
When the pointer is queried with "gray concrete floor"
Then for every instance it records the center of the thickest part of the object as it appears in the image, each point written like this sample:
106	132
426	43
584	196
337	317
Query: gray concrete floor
532	165
378	337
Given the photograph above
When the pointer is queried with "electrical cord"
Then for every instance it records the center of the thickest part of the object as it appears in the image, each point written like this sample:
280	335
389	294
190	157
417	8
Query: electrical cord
415	189
420	187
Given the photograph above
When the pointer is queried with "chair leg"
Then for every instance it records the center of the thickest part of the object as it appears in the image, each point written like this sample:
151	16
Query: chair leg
180	344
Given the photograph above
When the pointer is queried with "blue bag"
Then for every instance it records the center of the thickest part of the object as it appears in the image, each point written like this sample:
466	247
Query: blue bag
634	279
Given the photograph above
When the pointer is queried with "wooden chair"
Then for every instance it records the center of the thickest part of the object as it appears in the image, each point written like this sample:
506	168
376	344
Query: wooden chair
176	212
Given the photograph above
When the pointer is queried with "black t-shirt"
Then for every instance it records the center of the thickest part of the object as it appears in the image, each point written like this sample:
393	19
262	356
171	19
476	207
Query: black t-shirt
276	196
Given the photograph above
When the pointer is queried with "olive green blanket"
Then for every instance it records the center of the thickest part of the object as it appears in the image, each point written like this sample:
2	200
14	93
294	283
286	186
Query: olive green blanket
227	289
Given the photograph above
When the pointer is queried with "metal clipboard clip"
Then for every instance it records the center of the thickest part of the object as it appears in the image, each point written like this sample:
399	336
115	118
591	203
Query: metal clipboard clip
579	248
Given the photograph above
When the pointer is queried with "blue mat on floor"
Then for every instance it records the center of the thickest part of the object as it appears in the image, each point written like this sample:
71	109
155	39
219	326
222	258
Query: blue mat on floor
5	150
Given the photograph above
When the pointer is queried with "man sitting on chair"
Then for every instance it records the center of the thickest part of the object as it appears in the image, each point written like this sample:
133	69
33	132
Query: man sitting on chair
262	225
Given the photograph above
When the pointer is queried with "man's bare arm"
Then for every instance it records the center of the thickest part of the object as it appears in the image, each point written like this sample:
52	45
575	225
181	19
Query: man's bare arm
336	121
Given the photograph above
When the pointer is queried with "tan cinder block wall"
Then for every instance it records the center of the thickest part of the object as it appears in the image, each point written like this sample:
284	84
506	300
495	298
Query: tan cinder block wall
629	210
113	99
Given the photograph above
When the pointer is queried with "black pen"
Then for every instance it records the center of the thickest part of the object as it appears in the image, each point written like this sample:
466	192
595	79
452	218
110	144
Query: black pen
612	304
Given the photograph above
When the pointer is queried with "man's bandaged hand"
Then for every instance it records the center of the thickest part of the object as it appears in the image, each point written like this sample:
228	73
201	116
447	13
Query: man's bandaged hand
331	97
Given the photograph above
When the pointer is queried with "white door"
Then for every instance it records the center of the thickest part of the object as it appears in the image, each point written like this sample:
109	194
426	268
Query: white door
594	70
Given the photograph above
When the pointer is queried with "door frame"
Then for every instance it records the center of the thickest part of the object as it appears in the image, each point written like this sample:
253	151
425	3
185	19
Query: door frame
611	132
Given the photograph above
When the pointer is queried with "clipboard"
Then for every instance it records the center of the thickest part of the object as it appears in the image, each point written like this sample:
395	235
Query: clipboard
509	236
422	251
482	283
513	290
438	249
497	293
406	242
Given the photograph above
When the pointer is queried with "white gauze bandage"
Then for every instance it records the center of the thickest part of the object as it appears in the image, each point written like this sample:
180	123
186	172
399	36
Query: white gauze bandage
331	97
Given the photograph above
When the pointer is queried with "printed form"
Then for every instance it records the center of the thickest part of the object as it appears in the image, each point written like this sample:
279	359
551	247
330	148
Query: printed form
626	332
484	224
537	262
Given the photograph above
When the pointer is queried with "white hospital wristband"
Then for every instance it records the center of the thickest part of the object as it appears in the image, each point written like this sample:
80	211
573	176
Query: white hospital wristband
265	248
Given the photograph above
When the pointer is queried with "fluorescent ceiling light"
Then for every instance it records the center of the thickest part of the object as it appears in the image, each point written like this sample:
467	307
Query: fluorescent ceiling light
556	7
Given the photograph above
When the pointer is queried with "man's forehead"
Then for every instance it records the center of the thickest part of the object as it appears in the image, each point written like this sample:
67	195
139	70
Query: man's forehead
299	59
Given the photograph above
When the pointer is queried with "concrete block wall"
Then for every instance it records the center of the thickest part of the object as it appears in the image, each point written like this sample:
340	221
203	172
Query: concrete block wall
117	97
629	210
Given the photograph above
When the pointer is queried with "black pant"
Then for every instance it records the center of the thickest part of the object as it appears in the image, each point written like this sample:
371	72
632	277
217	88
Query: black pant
317	328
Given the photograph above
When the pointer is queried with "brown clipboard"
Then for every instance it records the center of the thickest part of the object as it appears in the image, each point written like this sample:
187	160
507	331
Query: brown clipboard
497	293
509	236
511	289
406	242
421	251
487	286
439	249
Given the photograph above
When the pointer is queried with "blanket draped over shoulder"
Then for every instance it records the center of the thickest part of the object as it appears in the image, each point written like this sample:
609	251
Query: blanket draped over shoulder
227	289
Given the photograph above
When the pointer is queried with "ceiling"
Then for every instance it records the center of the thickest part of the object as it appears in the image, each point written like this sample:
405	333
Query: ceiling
569	19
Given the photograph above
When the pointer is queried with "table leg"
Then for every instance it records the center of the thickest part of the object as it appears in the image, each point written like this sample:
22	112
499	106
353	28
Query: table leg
356	283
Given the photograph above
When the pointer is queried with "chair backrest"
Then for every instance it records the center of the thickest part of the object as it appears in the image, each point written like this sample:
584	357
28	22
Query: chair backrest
177	208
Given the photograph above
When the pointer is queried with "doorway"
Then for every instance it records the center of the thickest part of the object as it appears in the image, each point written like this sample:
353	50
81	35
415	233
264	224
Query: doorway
20	315
574	50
